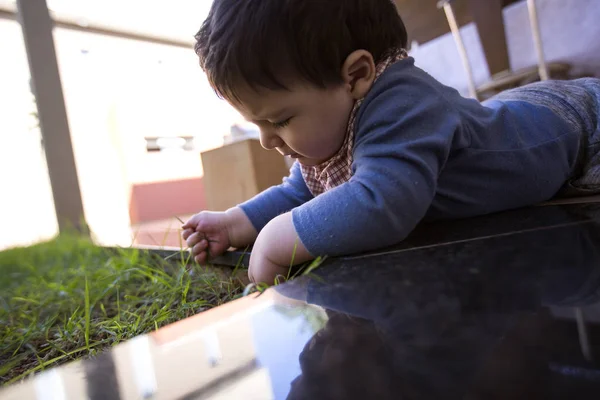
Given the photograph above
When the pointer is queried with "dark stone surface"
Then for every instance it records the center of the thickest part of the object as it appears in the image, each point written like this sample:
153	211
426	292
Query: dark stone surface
477	309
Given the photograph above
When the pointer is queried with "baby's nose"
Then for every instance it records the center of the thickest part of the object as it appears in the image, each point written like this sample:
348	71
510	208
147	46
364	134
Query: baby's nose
270	141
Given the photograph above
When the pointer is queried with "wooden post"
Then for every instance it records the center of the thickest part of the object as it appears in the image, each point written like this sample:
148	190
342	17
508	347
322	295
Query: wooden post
462	51
537	40
36	24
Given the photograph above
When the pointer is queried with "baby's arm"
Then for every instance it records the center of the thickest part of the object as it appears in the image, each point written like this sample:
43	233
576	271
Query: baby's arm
265	206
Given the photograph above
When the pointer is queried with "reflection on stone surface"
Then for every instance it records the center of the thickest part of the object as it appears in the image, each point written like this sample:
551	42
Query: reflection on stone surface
102	380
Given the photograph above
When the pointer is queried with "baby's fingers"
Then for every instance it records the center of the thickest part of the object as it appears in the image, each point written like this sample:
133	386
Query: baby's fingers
201	258
191	223
216	248
187	233
200	247
194	239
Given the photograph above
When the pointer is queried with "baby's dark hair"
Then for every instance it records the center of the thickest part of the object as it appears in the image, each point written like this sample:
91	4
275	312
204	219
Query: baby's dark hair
269	43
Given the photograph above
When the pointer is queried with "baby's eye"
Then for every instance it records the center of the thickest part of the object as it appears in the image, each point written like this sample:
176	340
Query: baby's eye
281	124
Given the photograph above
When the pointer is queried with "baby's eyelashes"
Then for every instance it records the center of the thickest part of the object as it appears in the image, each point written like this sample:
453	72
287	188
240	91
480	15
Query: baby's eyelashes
281	124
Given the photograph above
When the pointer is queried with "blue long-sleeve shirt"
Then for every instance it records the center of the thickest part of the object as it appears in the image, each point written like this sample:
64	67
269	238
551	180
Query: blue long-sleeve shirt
422	150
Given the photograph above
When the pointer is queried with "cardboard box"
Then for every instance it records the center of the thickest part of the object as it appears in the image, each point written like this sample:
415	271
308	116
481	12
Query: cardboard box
238	171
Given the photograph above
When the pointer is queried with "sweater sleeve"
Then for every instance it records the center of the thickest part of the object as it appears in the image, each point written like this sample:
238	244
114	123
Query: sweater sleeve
277	200
403	140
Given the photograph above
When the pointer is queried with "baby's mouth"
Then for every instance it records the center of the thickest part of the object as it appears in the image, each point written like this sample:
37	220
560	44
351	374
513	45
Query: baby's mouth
291	154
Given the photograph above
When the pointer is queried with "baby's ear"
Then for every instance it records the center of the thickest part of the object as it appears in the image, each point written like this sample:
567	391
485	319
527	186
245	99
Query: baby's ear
358	72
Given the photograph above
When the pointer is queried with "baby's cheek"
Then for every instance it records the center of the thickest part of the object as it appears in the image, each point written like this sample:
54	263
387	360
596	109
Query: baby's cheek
335	138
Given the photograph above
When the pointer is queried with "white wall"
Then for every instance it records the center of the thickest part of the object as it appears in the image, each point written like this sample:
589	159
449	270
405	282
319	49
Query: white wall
569	29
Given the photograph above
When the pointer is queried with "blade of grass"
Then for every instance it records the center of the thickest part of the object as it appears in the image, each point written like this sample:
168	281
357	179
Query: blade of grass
6	368
239	261
39	360
292	260
314	265
134	237
32	301
153	240
153	277
171	256
309	267
118	305
185	292
87	314
166	235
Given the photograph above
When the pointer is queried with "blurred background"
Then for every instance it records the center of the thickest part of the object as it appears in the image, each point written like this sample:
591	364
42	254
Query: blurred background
152	142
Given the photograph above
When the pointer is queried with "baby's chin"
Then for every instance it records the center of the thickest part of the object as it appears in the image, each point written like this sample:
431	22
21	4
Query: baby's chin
311	162
308	162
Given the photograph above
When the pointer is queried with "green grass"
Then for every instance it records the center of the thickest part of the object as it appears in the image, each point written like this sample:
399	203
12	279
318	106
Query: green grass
66	299
305	269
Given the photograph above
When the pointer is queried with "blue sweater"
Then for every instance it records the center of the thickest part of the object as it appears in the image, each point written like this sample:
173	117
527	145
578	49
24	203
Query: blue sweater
423	151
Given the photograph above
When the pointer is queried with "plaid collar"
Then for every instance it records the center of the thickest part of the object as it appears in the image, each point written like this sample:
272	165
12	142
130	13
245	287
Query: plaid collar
338	169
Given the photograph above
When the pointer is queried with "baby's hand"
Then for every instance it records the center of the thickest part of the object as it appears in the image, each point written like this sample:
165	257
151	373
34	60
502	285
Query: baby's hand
207	235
